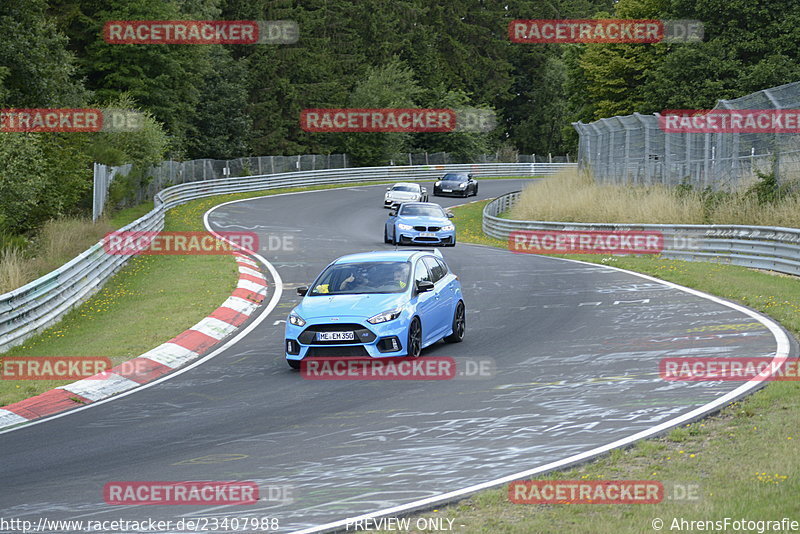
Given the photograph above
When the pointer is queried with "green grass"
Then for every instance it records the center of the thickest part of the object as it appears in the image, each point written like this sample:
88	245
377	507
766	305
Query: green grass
745	460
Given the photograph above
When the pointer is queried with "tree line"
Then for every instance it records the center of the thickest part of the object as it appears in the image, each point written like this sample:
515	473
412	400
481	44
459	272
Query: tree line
228	101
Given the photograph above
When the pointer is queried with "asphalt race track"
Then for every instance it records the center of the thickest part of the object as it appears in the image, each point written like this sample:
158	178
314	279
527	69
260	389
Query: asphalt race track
576	349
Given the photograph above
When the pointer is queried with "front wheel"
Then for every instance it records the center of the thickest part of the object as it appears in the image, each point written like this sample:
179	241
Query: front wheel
459	325
475	191
294	364
414	339
386	235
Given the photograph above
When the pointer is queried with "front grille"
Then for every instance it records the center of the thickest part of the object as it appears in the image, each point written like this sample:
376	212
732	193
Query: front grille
361	334
427	228
420	228
336	352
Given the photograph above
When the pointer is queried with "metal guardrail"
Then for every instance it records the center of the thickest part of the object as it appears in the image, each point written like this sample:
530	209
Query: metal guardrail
761	247
39	304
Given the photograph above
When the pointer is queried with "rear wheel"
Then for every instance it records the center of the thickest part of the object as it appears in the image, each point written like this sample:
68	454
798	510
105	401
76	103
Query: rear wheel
475	191
459	325
415	339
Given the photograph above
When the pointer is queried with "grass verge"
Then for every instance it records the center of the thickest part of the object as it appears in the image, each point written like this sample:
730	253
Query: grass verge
744	461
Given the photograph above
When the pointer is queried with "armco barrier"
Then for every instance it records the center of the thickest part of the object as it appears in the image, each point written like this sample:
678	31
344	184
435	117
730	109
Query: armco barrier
761	247
39	304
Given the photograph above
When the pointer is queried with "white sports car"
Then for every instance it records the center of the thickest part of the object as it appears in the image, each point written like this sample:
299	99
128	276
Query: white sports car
404	192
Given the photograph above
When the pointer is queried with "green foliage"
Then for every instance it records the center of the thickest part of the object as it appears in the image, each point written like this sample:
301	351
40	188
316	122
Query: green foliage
36	69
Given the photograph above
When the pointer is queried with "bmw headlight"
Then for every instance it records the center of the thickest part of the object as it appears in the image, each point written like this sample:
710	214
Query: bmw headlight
296	319
390	315
448	227
402	226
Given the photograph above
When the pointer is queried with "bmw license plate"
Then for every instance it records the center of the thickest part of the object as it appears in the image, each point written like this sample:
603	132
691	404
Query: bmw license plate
336	336
427	234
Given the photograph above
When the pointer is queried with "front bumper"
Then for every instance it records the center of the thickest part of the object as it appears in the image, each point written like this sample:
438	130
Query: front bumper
415	237
383	340
455	192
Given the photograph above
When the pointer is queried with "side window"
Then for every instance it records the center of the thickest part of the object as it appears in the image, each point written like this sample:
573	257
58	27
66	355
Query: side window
443	265
421	273
433	266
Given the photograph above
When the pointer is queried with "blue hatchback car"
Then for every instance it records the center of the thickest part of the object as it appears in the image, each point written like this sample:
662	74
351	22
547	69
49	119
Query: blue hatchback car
377	304
420	223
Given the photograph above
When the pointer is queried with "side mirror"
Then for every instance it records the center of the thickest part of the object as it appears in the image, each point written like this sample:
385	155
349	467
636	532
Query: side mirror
302	290
393	212
388	188
450	215
424	285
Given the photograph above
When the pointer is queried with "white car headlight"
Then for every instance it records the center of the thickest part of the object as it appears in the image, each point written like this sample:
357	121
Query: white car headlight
448	227
382	317
296	319
462	185
438	183
402	226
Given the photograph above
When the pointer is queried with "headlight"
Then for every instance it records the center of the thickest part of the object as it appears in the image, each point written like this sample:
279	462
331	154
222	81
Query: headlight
390	315
438	183
448	227
462	185
402	226
296	319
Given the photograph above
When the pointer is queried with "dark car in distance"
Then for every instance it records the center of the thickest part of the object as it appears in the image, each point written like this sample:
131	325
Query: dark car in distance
456	184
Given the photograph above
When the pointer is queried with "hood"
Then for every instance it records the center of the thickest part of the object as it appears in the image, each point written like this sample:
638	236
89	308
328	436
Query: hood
361	306
422	220
450	184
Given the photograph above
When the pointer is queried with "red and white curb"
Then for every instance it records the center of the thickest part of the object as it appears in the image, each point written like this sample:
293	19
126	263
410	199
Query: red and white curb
250	292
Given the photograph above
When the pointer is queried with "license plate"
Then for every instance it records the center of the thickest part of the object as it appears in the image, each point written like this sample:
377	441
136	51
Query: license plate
447	190
427	234
336	336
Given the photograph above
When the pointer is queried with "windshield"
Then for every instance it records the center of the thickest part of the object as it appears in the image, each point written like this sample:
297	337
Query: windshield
405	188
358	278
423	210
454	177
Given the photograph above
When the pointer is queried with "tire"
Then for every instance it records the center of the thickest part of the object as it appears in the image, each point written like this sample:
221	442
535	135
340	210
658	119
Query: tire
475	192
386	235
414	347
294	364
459	325
394	240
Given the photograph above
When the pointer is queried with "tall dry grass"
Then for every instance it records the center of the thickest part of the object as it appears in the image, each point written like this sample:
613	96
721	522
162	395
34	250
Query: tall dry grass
574	197
740	208
57	242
